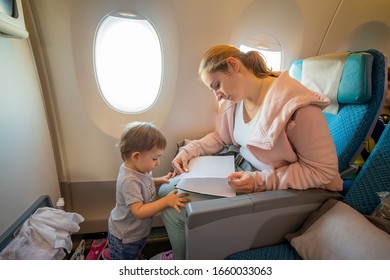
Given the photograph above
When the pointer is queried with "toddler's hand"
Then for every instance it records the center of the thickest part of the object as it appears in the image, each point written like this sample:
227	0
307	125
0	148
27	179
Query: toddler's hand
164	179
176	200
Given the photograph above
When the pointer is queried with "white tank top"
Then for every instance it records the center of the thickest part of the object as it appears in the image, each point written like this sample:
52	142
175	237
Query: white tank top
241	133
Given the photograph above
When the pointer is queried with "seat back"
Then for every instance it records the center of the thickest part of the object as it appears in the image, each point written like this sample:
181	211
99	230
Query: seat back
374	177
360	97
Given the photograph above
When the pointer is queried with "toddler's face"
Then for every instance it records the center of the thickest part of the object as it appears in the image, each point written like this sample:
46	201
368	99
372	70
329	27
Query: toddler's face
149	160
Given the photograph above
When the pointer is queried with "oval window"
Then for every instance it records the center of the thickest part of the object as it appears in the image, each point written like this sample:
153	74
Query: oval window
268	46
128	62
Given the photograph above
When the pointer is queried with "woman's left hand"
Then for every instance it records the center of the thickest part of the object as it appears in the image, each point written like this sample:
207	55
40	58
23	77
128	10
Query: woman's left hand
242	182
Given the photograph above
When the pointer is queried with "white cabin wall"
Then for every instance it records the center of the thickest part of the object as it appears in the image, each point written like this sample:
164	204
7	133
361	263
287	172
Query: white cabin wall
298	25
201	24
27	165
82	142
359	25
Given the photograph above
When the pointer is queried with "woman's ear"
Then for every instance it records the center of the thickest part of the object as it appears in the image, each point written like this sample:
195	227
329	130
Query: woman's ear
233	64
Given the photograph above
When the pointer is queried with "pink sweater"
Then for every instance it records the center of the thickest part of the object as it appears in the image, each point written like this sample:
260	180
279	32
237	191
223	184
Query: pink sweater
293	137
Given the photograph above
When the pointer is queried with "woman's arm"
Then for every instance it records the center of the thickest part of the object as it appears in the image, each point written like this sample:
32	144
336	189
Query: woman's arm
317	163
210	144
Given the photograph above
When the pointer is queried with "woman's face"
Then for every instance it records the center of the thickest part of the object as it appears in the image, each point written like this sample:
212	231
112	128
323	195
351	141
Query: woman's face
225	85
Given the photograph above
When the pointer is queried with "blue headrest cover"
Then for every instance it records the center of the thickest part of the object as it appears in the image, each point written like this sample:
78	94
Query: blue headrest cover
355	84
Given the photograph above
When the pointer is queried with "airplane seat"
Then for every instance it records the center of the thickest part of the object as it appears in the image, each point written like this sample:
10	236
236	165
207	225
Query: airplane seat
248	226
363	197
359	106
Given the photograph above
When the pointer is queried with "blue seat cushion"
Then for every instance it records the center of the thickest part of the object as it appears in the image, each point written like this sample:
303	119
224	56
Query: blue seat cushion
282	251
355	84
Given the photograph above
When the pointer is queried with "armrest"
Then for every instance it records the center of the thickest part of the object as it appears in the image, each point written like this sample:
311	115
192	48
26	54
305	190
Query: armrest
220	227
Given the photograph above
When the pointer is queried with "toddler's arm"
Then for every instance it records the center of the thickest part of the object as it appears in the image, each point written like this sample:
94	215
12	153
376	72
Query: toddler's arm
147	210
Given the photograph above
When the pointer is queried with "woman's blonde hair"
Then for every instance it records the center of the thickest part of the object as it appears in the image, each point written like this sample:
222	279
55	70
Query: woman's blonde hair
215	59
140	137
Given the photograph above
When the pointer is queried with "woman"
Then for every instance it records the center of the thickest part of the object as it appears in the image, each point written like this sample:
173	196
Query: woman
277	123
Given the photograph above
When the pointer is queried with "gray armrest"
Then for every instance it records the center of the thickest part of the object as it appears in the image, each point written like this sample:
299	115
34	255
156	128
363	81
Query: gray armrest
220	227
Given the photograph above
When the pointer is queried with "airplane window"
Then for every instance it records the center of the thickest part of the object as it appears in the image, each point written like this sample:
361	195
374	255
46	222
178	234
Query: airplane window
268	46
273	59
128	62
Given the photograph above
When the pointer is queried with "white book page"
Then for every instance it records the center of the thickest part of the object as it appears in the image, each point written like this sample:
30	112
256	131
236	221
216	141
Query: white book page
210	186
207	175
209	166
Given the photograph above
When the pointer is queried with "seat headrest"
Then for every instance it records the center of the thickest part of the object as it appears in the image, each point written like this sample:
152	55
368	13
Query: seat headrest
355	84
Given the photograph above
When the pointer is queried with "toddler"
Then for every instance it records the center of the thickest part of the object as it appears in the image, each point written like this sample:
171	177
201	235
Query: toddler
141	146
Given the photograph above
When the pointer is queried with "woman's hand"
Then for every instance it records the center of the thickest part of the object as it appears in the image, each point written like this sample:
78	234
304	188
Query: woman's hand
164	179
180	162
242	182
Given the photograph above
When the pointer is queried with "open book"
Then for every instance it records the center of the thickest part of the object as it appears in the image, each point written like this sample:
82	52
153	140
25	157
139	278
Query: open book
208	175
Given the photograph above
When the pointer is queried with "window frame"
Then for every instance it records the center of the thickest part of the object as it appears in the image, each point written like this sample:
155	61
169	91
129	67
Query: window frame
130	15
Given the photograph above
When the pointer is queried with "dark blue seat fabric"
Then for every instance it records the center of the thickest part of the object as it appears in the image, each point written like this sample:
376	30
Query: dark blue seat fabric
281	251
374	177
350	128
